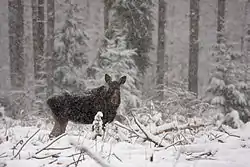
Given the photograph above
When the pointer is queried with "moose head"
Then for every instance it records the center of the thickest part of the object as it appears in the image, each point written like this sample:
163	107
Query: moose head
113	91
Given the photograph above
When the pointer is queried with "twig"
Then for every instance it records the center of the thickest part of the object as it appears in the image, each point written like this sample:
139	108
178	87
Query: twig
78	160
51	162
150	136
74	154
44	148
25	143
3	155
116	157
171	145
14	147
75	162
63	148
47	156
130	129
229	134
172	126
162	139
200	156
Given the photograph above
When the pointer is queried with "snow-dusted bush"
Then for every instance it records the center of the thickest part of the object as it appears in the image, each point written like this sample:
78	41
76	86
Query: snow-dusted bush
179	105
227	89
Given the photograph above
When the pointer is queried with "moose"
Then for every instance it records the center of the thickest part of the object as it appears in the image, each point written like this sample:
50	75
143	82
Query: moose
82	108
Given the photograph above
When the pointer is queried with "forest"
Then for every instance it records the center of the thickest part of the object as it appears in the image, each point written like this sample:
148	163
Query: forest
184	100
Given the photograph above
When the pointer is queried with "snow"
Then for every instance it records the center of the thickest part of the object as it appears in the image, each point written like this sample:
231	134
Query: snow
231	151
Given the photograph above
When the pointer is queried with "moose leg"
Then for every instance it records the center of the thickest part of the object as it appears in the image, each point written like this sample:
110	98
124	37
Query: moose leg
59	126
63	126
56	131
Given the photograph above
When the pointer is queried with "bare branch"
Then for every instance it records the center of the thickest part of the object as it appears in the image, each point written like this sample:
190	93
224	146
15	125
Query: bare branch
95	157
173	126
63	148
150	136
59	137
171	145
47	156
229	134
25	143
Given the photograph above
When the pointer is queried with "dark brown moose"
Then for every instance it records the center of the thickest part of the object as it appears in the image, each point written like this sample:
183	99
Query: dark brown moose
82	108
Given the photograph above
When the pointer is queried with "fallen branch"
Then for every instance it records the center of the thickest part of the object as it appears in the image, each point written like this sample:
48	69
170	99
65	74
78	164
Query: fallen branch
94	156
72	163
173	126
47	156
149	136
206	155
229	134
15	147
116	157
74	154
51	162
171	145
3	155
63	148
130	129
59	137
79	158
25	143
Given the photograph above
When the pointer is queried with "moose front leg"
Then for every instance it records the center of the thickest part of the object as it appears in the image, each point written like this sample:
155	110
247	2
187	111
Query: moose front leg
59	128
56	131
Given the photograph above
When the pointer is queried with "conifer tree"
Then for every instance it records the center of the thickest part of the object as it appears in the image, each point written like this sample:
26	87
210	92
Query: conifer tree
227	89
70	43
118	61
135	16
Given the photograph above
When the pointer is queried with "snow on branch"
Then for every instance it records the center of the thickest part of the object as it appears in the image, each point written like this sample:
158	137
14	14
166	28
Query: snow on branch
150	136
94	156
173	126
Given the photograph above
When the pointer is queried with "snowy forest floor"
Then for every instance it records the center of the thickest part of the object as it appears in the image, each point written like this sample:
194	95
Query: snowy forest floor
30	146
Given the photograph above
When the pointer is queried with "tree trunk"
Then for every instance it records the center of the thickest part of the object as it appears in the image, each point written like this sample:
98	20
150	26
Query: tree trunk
38	51
40	41
50	45
16	52
193	47
34	34
107	6
16	32
161	48
247	41
221	21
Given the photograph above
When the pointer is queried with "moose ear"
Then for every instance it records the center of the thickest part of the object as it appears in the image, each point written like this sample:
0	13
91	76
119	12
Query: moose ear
108	78
122	80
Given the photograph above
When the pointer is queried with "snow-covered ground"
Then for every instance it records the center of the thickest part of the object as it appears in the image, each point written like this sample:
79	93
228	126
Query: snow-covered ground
224	150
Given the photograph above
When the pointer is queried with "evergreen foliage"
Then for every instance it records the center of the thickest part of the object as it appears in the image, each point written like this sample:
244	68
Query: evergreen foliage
227	88
118	61
135	17
70	43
